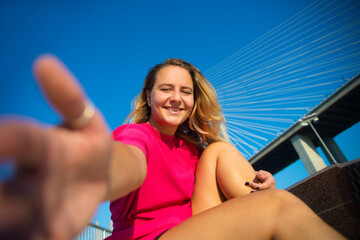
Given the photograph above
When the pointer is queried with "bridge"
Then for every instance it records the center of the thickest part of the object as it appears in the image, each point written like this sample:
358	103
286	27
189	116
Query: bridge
293	90
303	72
337	113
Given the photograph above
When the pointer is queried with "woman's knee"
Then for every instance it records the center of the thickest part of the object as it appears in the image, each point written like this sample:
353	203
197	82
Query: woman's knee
211	153
276	199
269	205
210	156
281	196
282	201
221	145
218	148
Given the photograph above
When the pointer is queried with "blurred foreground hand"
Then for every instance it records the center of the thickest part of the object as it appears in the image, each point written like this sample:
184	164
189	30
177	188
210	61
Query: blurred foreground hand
61	172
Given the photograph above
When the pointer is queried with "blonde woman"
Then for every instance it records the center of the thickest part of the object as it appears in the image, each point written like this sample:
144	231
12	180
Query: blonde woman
148	171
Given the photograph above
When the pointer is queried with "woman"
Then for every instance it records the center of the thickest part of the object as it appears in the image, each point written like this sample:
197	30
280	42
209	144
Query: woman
75	166
175	116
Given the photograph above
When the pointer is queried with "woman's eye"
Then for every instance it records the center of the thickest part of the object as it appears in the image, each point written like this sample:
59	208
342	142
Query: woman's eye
186	91
165	89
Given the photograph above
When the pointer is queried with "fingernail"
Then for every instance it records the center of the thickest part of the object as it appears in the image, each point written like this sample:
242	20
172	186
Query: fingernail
259	174
252	191
247	183
257	188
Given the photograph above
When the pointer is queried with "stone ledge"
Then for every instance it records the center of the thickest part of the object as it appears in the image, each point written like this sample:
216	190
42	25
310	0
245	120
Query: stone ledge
333	193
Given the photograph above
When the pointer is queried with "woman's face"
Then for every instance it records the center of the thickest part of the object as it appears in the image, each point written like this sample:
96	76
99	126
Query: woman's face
171	99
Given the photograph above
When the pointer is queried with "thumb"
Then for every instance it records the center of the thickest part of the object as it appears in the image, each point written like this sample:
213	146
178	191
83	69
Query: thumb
267	179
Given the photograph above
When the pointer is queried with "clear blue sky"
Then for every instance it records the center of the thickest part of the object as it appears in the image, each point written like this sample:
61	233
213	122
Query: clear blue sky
110	46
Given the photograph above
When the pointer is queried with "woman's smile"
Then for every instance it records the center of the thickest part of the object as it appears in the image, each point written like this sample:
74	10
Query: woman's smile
172	109
171	99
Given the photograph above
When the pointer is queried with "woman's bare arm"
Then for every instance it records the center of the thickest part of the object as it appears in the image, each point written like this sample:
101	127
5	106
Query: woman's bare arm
62	172
127	170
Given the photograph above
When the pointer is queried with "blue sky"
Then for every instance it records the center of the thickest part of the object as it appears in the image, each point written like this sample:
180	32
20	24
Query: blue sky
109	46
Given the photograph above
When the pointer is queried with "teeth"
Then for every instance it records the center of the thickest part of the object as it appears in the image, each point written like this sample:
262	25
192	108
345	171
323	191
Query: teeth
174	109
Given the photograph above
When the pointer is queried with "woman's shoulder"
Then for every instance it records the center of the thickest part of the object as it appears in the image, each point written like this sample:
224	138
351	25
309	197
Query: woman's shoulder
130	129
135	134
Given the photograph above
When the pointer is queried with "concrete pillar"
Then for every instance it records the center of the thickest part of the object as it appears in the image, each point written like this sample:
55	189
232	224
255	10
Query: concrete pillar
334	150
307	153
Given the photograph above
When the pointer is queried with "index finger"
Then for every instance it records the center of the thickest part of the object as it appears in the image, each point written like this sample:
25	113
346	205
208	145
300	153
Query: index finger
60	87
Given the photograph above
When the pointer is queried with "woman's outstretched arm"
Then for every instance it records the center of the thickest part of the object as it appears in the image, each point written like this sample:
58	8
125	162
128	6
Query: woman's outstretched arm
127	170
63	172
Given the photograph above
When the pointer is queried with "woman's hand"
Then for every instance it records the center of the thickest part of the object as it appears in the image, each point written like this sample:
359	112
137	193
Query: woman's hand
61	172
264	180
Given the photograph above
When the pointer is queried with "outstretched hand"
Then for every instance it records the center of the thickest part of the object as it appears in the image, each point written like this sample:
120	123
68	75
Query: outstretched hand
61	172
264	180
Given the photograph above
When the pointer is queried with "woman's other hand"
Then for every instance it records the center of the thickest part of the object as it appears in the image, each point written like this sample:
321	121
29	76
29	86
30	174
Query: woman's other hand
264	180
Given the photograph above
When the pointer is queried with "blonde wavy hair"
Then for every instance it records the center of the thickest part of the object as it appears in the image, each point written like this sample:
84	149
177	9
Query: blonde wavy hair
203	125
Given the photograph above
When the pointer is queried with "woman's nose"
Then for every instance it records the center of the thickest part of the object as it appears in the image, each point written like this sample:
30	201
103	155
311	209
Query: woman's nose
175	96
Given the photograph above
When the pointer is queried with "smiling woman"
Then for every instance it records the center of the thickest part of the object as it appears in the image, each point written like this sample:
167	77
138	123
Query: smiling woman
148	171
176	116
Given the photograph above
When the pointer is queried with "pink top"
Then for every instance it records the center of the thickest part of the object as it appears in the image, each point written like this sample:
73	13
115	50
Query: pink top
164	199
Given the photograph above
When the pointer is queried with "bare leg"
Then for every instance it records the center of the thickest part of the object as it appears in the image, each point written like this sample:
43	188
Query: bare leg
272	214
221	174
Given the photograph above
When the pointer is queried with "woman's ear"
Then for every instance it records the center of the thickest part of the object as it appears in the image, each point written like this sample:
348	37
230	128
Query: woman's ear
148	98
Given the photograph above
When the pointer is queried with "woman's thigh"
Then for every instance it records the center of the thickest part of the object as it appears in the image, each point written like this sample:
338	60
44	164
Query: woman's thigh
244	217
271	214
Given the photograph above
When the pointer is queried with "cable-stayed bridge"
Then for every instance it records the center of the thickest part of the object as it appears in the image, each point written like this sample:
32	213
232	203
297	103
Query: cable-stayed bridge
318	128
266	87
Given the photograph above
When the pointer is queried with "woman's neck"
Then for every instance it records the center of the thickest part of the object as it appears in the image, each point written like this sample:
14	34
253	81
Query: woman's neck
162	129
